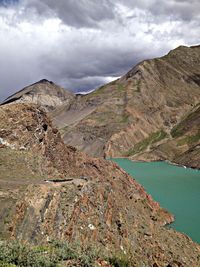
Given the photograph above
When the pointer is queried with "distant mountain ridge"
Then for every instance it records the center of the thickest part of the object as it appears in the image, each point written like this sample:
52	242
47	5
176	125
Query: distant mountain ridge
136	113
44	93
133	116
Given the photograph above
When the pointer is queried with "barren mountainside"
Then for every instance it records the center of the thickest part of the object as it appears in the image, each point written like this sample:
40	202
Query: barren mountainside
181	146
49	190
125	117
134	116
44	93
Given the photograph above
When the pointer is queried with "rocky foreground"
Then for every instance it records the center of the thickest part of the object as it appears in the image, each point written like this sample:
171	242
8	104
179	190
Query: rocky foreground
49	191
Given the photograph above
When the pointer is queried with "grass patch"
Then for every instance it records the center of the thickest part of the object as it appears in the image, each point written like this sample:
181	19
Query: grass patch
178	130
142	145
97	91
101	89
120	87
125	118
185	124
121	261
14	253
55	254
190	139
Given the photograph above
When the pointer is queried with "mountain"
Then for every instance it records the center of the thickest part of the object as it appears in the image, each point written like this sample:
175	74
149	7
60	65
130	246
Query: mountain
49	191
125	117
182	146
44	93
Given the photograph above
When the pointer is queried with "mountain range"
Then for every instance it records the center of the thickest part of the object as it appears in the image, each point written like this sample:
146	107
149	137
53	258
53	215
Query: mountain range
150	113
50	189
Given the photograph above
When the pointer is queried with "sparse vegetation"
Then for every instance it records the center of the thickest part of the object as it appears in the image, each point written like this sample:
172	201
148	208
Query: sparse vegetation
141	146
24	164
14	253
55	254
120	87
185	124
125	118
120	261
189	139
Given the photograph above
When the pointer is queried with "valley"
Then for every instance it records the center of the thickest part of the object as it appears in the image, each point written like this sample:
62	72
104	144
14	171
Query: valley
57	182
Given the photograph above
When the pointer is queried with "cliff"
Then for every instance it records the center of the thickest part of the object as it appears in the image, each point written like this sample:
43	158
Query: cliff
52	191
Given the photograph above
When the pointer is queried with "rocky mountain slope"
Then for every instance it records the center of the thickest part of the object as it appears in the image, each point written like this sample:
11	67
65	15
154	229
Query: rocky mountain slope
125	117
134	116
181	146
44	93
52	191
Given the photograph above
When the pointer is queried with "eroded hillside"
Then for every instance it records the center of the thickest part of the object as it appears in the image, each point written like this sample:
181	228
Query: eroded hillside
125	117
44	93
52	191
182	146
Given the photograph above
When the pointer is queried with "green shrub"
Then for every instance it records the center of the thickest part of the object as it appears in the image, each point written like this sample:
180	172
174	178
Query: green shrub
54	254
4	264
14	253
63	250
23	255
119	261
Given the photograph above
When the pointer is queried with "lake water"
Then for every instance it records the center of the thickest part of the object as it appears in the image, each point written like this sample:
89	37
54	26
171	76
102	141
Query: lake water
177	189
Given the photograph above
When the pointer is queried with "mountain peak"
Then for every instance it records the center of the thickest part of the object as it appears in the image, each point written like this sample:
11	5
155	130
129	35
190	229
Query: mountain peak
44	81
127	116
44	93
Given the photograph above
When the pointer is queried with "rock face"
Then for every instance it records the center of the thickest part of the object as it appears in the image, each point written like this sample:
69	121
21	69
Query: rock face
44	93
184	145
52	191
127	117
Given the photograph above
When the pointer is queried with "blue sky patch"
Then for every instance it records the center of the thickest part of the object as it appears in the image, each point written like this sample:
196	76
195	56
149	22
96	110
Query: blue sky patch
8	2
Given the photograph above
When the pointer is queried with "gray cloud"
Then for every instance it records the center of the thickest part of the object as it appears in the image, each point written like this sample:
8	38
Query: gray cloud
75	13
89	13
83	44
174	9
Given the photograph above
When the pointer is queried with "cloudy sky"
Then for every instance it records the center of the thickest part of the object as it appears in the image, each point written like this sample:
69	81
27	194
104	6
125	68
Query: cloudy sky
81	44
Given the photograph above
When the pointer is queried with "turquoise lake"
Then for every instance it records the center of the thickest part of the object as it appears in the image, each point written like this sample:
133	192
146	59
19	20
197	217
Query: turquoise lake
177	189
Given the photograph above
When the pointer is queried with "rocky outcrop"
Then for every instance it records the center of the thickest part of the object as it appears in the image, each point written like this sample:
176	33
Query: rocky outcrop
136	113
52	191
44	93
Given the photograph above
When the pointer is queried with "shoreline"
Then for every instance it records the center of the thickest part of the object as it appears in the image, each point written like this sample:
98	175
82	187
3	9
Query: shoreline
166	160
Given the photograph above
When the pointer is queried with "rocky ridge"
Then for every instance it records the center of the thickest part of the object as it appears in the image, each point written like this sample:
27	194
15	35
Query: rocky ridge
52	191
44	93
127	117
182	146
134	116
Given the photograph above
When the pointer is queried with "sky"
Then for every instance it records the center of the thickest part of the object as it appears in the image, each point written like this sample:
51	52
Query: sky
82	44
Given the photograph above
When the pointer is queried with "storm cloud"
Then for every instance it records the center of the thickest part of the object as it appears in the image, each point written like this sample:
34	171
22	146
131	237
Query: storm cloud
83	44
